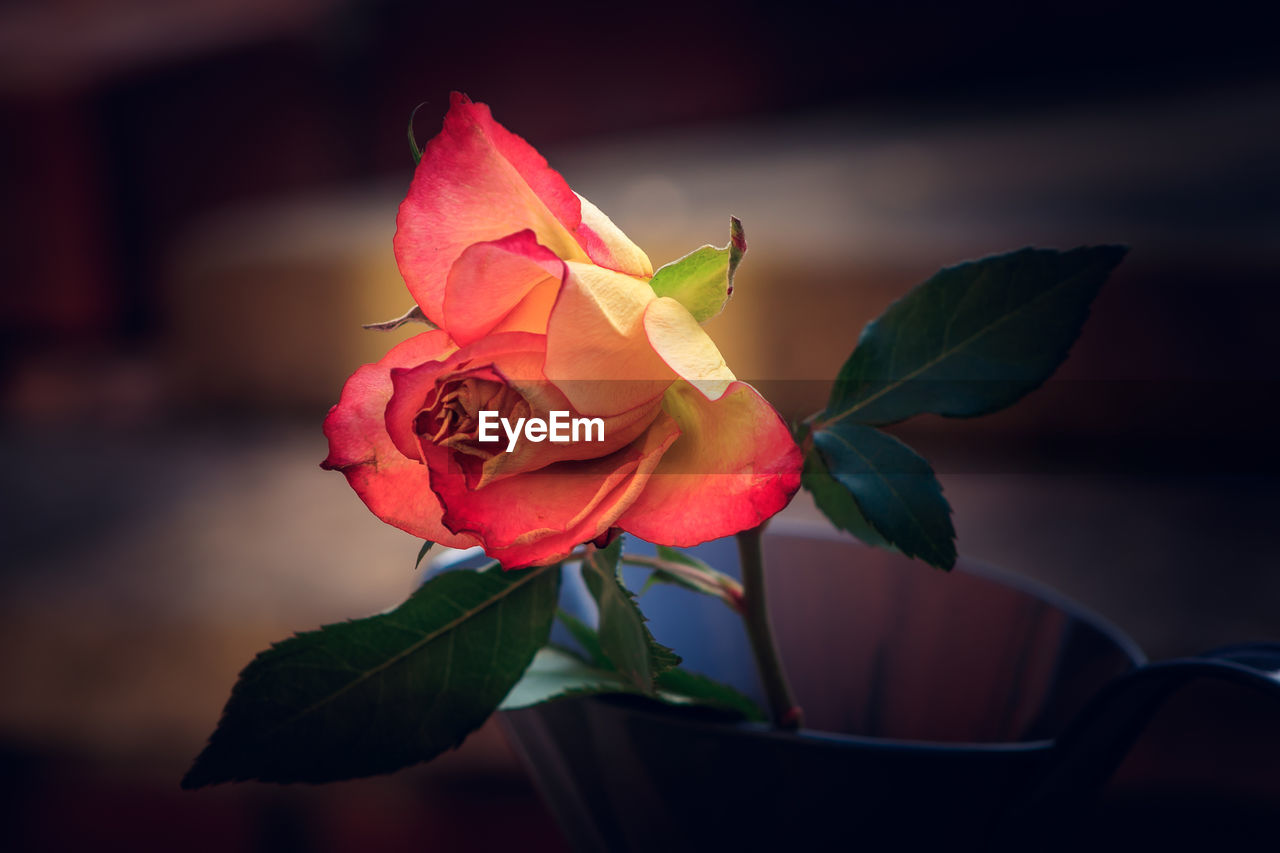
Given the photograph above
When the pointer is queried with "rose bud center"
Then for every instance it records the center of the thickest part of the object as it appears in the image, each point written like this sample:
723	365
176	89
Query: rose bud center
450	416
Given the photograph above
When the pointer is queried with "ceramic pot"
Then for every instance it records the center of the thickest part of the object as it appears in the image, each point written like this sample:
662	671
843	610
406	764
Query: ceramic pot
972	710
931	700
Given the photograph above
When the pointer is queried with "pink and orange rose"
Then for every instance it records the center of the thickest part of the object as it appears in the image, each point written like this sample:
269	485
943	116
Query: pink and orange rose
542	304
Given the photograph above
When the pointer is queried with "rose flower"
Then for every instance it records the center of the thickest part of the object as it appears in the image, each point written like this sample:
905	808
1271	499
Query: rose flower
543	305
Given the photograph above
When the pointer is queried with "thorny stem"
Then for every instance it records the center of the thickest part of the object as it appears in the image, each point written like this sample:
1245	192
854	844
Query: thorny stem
755	613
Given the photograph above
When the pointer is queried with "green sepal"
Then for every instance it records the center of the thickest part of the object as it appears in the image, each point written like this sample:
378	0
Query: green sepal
702	281
422	553
413	315
414	151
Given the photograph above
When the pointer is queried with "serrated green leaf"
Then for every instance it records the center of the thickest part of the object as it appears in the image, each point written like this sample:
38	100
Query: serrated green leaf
661	576
557	674
835	501
894	488
972	339
691	686
374	695
414	150
624	638
426	546
586	637
676	556
658	577
702	281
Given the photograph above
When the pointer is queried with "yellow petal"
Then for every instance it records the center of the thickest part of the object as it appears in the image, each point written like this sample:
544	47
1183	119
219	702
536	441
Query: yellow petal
598	353
623	255
676	336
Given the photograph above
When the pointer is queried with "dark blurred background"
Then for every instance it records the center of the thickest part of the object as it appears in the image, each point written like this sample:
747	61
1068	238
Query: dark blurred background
198	205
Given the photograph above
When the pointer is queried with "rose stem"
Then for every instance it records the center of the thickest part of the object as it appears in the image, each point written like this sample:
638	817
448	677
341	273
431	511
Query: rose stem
755	614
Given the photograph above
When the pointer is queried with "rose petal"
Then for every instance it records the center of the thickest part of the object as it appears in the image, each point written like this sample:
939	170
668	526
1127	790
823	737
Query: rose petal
676	336
734	466
608	246
540	516
508	284
477	182
513	359
619	431
597	350
395	488
520	353
410	388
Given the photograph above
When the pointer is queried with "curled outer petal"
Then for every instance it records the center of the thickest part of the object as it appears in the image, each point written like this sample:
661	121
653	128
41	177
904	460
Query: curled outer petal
396	488
509	284
607	246
540	516
680	341
477	182
597	351
734	466
613	327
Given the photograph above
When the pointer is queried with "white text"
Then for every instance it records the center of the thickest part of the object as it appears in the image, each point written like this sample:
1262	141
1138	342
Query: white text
560	428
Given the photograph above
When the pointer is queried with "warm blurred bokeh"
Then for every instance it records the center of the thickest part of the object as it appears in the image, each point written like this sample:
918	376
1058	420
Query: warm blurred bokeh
198	205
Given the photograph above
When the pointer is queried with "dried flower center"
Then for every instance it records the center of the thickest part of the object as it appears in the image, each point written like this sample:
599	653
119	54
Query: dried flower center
452	418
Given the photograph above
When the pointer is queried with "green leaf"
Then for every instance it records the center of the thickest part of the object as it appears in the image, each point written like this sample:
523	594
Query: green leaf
658	576
586	637
973	339
672	555
702	280
662	576
414	150
623	636
835	501
894	488
557	674
709	586
426	546
373	695
683	686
